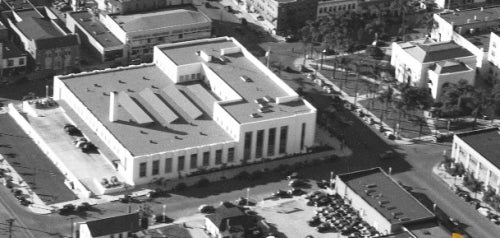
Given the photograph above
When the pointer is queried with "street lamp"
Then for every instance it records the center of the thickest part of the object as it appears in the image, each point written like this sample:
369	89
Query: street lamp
323	52
331	179
163	212
248	195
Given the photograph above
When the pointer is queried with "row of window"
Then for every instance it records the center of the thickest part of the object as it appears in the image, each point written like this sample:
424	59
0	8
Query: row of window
337	8
181	162
271	143
11	62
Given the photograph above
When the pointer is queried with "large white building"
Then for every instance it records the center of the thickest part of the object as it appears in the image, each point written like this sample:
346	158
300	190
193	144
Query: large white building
430	64
131	37
479	153
200	104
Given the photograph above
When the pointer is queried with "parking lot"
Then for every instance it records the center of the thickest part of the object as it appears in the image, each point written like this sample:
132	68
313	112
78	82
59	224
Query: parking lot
31	163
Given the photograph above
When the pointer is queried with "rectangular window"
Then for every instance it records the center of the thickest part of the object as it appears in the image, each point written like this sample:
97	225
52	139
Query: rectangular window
10	63
302	136
283	139
218	157
21	61
230	154
180	163
142	169
155	170
194	161
247	147
206	158
168	165
271	140
260	144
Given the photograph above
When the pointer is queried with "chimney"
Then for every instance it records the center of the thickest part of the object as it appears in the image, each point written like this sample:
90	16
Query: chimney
475	17
482	8
459	30
468	20
113	104
486	18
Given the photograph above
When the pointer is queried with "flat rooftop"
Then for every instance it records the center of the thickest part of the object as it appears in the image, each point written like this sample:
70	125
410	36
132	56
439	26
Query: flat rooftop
93	91
160	19
386	196
481	14
432	52
96	29
237	65
36	26
485	142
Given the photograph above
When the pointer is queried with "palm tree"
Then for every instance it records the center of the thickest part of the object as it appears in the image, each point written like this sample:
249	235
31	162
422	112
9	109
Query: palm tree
402	6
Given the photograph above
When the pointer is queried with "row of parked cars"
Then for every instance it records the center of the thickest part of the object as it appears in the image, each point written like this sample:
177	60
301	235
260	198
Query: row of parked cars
81	142
334	214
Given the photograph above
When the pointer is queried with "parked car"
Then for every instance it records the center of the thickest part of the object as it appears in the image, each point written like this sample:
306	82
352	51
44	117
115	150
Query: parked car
291	38
388	154
296	192
88	147
72	130
281	194
297	183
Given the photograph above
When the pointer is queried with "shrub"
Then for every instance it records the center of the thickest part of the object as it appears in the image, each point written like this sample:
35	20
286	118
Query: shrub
67	209
242	175
256	175
206	209
202	182
391	137
163	219
180	187
84	206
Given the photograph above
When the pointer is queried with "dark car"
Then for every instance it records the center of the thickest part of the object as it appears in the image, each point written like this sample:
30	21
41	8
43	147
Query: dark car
88	147
323	227
296	191
291	38
72	130
315	221
297	183
281	194
389	154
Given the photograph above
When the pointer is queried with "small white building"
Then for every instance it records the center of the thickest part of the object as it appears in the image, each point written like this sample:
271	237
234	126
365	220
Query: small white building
478	151
426	63
113	227
200	105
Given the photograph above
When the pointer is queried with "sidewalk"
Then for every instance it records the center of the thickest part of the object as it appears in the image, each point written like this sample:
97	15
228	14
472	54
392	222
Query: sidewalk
457	182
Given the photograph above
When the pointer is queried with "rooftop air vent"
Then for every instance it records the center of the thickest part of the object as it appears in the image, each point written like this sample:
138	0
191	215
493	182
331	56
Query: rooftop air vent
268	99
97	85
371	185
153	142
145	78
265	110
254	115
120	81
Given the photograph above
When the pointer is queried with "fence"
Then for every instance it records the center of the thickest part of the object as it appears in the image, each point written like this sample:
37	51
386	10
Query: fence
79	188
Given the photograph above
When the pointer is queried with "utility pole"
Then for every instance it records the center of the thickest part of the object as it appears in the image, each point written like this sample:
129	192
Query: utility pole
72	226
10	221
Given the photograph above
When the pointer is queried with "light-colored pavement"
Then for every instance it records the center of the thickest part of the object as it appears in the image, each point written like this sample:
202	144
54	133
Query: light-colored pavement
87	167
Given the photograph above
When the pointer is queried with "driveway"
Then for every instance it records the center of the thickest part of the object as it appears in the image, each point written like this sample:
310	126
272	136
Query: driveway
31	163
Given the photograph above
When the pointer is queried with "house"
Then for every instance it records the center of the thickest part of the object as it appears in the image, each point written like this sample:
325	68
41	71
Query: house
43	35
113	227
13	64
475	29
425	63
478	152
229	221
200	105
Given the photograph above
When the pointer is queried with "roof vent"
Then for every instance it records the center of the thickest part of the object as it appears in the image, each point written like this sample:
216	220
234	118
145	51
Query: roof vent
105	93
153	142
265	110
254	115
130	90
145	78
203	133
120	81
371	185
178	138
143	132
153	86
97	85
268	99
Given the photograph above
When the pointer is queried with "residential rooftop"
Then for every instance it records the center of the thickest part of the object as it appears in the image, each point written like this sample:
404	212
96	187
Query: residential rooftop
432	52
232	216
485	142
113	225
450	66
10	50
46	32
160	19
96	29
479	14
386	196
